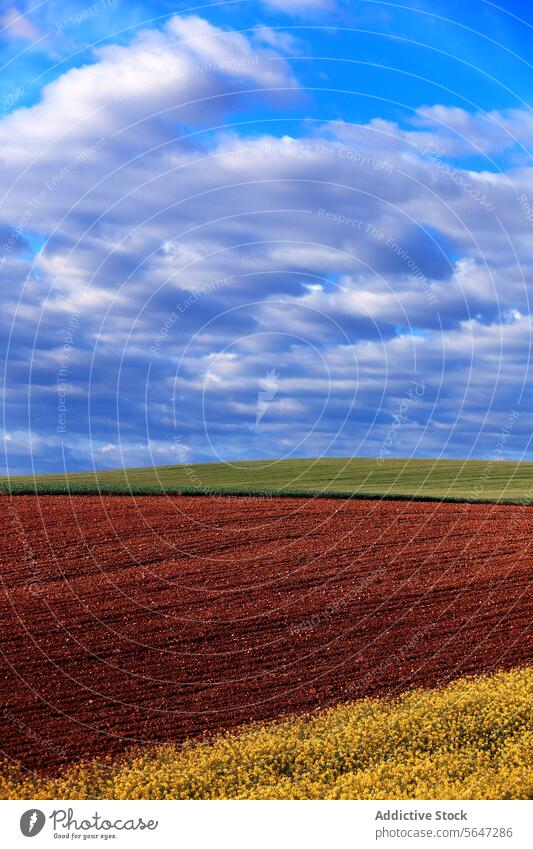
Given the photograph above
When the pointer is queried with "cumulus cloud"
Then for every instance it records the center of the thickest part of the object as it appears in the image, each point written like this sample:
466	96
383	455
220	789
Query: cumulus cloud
159	262
190	71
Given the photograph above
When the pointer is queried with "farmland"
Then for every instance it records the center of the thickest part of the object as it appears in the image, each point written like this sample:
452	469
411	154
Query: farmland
151	621
451	480
471	739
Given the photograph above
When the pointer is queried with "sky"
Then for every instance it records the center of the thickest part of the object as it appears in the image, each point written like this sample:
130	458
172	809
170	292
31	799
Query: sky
250	230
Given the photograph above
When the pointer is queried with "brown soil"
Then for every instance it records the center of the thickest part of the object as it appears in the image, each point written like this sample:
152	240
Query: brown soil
139	620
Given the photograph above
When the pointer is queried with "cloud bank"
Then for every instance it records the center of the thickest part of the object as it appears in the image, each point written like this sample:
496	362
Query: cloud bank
169	260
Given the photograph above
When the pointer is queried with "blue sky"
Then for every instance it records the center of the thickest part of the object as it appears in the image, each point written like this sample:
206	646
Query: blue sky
264	229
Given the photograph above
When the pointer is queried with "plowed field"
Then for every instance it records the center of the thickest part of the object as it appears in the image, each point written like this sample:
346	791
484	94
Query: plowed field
137	620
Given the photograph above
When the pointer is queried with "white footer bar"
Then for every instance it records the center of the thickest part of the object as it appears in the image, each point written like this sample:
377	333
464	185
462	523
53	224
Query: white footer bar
267	825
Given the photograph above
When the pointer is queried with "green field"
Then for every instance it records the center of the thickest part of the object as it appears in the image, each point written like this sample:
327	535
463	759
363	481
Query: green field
453	480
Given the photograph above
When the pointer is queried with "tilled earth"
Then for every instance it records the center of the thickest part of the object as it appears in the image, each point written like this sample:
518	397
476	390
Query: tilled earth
149	619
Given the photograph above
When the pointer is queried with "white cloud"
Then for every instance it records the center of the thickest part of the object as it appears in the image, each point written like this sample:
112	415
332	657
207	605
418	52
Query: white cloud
284	42
187	72
333	236
13	24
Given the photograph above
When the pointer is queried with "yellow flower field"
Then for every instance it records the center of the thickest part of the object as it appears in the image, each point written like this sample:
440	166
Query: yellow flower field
471	739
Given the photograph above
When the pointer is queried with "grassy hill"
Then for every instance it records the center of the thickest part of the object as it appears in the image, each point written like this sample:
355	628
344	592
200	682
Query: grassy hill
453	480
